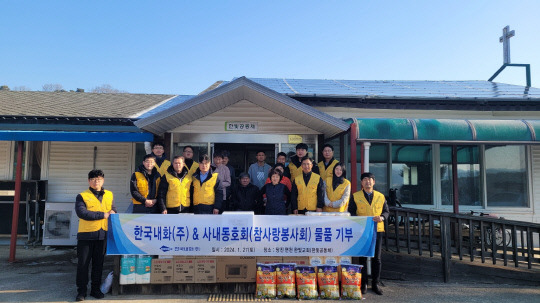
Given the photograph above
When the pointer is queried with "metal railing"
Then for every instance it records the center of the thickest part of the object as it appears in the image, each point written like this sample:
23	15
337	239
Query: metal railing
462	235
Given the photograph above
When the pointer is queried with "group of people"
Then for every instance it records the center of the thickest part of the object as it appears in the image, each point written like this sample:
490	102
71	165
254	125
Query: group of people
210	187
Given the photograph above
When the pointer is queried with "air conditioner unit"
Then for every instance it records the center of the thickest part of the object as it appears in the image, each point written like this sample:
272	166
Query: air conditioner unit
60	225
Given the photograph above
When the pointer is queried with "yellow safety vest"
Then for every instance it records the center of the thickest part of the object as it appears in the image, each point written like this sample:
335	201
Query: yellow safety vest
336	194
93	204
163	168
178	192
307	195
204	194
328	172
193	168
295	171
142	187
375	209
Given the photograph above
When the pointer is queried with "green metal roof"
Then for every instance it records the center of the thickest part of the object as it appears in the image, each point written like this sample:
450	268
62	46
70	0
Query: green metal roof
447	130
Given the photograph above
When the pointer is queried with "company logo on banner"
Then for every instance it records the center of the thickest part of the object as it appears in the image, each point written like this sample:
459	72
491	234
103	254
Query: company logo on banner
240	234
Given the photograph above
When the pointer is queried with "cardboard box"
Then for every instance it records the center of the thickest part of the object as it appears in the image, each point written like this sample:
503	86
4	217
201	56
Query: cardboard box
316	261
332	260
236	269
345	260
184	269
205	270
296	260
128	265
144	265
162	271
269	260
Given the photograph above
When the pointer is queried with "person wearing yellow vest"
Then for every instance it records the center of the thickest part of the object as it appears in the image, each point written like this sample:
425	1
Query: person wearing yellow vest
307	190
295	165
144	185
173	194
188	160
338	190
158	150
207	194
369	202
326	166
93	207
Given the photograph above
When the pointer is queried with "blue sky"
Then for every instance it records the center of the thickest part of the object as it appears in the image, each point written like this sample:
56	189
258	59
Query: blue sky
182	47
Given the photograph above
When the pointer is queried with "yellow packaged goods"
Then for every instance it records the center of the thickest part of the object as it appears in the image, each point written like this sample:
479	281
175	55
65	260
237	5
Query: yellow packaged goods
351	281
285	279
266	281
306	282
327	277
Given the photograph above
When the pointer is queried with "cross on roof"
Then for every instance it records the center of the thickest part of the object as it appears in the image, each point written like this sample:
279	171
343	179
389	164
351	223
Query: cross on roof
505	39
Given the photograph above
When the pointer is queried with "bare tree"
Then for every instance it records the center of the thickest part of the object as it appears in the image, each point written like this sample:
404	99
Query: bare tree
106	89
22	88
53	87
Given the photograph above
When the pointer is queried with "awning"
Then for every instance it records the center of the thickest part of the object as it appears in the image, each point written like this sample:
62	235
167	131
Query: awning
9	135
448	130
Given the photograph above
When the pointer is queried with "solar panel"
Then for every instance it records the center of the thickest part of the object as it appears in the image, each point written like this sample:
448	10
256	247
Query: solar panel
474	89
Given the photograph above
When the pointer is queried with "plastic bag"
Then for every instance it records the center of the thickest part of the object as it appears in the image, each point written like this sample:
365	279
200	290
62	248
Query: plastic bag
328	281
266	281
107	283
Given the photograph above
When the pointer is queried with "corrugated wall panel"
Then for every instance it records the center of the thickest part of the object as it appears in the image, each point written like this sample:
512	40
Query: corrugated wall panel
69	164
268	122
5	160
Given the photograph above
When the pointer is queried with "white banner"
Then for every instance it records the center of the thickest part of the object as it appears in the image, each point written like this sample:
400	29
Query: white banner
240	234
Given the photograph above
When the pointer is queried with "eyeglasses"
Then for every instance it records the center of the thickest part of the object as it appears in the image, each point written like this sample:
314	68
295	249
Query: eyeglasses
96	179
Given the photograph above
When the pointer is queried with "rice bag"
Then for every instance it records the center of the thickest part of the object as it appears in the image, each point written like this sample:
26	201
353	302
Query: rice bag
266	281
306	282
351	281
285	279
327	276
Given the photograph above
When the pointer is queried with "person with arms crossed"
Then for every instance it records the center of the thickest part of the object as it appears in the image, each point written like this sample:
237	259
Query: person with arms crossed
369	202
93	207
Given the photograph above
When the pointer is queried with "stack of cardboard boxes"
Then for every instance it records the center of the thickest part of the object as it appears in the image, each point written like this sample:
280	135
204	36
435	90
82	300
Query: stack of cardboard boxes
193	269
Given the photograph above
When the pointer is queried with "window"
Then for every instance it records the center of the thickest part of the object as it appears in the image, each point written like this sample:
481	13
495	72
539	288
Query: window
468	171
412	174
506	175
378	165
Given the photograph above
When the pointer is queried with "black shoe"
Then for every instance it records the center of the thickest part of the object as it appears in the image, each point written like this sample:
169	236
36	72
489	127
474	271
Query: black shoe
80	298
97	294
376	289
